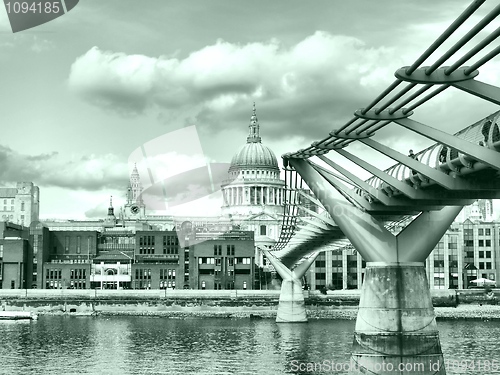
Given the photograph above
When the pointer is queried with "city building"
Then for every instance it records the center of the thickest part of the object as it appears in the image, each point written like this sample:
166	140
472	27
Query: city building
20	204
16	259
469	250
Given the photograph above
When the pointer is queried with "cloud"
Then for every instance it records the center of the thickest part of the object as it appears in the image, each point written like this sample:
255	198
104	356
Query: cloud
41	45
91	172
308	83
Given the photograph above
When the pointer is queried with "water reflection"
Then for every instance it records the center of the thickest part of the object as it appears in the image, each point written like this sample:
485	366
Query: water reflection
131	345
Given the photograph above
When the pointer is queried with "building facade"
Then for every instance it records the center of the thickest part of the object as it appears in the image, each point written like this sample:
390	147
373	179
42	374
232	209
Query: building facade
20	204
468	251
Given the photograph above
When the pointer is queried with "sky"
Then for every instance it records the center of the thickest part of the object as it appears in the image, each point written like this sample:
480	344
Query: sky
81	95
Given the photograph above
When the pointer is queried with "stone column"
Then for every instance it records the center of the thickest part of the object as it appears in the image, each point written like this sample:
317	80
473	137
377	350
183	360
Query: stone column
328	267
396	329
359	269
344	269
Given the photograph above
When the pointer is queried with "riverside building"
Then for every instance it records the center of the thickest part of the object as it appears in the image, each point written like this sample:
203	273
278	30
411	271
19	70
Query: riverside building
138	250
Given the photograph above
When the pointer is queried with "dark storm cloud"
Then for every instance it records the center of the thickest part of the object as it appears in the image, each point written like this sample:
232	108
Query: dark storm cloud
90	173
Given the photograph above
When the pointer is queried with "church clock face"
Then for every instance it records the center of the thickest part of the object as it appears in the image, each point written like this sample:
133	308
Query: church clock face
134	209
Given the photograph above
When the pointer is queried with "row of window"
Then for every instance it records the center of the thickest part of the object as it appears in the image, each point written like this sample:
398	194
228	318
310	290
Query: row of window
170	241
481	243
147	240
218	273
231	261
168	274
53	274
218	249
166	250
67	244
218	286
79	273
143	274
338	263
12	207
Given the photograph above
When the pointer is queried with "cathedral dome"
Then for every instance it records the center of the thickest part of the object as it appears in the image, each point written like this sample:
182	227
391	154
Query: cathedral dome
254	154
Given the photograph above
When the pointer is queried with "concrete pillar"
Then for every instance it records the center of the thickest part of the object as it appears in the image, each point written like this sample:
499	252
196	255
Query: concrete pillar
395	329
344	269
446	252
359	268
291	306
328	267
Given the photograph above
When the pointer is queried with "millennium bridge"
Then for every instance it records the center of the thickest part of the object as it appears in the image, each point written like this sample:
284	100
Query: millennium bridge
395	218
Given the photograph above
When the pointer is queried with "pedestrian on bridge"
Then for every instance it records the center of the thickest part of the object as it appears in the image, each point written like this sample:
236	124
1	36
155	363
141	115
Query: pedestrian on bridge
414	157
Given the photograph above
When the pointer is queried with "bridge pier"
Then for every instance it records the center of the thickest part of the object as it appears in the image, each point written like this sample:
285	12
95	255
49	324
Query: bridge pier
395	326
291	306
396	329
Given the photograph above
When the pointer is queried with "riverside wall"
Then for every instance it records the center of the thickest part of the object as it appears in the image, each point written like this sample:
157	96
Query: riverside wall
130	301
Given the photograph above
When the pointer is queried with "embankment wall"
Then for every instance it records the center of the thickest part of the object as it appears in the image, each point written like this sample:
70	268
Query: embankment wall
90	301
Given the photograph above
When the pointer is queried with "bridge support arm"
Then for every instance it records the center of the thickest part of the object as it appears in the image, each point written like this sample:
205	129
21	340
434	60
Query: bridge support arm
480	89
291	307
367	234
420	237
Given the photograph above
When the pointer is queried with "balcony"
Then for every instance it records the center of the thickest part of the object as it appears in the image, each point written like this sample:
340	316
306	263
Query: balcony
115	246
157	257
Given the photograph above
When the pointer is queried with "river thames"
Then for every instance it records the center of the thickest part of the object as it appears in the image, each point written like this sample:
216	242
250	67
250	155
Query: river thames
152	345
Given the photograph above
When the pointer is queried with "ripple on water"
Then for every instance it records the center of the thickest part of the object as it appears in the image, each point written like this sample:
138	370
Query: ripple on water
145	345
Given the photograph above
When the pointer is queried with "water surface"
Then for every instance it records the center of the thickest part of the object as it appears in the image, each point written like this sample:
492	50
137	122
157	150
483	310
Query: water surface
152	345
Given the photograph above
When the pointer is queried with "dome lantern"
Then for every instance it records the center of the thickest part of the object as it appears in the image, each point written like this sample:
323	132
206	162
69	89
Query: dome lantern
254	154
254	131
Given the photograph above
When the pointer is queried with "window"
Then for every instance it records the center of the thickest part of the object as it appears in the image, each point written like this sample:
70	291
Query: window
481	254
481	243
320	263
78	244
488	254
320	276
22	206
488	243
480	231
488	231
66	244
263	231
